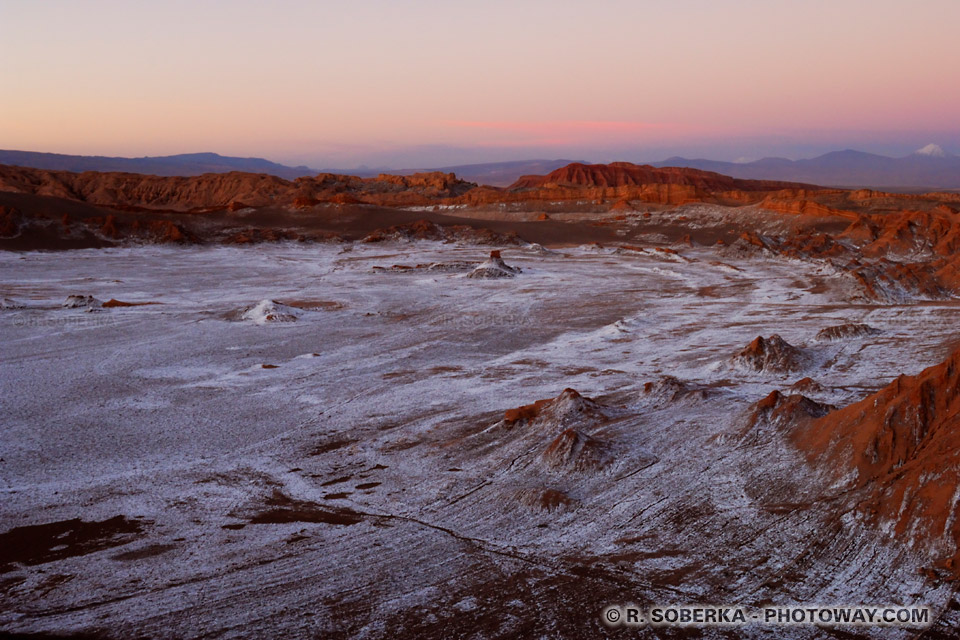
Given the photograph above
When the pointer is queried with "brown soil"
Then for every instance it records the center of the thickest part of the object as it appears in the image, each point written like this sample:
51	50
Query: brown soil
112	302
37	544
280	509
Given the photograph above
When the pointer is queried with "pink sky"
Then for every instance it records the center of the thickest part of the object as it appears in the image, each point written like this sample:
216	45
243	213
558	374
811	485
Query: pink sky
337	84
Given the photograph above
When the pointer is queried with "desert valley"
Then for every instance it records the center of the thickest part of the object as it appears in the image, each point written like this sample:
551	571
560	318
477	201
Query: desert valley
236	405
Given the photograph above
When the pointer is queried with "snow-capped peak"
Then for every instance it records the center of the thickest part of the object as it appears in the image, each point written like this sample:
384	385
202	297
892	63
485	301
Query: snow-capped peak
932	150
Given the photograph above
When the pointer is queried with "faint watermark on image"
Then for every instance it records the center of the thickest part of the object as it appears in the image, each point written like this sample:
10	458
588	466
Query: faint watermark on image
67	321
827	616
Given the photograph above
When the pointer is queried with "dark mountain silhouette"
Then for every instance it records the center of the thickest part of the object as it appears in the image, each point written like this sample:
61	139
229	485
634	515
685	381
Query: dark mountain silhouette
498	174
494	174
927	168
184	164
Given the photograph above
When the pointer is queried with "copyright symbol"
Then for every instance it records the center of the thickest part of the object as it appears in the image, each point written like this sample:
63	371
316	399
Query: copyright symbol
612	615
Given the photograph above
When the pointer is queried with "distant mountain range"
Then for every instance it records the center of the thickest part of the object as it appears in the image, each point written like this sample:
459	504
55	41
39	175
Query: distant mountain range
499	174
185	164
927	168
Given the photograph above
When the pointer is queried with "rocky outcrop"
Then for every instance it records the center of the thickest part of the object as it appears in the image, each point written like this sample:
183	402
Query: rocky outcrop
750	243
901	448
890	281
906	254
785	411
271	311
229	191
773	355
806	386
626	174
136	190
10	304
494	267
563	430
908	233
798	204
669	390
577	451
846	331
9	222
618	183
567	410
892	247
82	302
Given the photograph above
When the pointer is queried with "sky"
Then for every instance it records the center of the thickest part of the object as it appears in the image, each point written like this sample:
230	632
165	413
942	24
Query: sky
425	83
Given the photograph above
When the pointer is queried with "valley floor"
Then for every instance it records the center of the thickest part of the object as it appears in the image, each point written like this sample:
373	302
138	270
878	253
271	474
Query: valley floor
349	474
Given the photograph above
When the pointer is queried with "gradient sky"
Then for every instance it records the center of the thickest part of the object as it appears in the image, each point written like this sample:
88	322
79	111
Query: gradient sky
423	83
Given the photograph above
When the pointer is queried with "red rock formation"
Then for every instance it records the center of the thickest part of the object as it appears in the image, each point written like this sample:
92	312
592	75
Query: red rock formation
9	222
669	389
578	451
229	190
779	410
621	174
749	239
888	280
154	192
303	202
567	408
772	354
904	444
790	203
846	331
109	228
912	232
813	245
494	267
619	182
920	231
807	385
174	233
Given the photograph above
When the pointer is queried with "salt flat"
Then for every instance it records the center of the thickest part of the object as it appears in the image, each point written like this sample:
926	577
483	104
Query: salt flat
348	473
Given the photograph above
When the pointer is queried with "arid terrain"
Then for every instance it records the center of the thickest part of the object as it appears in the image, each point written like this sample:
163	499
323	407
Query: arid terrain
337	407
